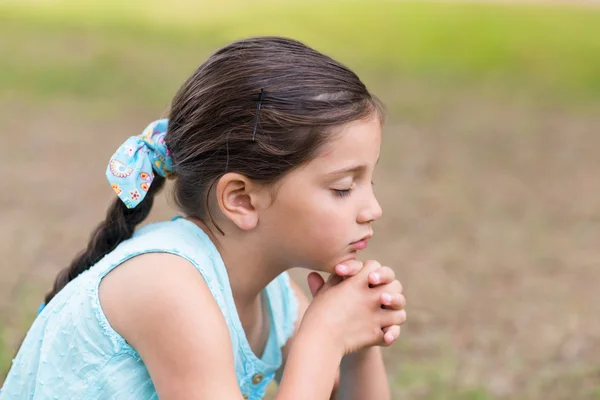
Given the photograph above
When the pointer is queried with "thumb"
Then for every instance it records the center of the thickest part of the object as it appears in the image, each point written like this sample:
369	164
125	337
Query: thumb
315	283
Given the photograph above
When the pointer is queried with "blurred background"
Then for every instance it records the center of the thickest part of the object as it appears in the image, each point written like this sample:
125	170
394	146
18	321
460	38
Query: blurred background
489	176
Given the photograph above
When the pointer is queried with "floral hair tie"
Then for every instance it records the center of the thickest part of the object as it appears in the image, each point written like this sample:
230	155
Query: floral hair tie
131	168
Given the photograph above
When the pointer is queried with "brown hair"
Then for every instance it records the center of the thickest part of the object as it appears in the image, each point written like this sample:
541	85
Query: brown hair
211	121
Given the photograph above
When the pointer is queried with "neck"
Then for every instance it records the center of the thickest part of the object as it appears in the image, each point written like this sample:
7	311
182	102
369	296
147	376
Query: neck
249	268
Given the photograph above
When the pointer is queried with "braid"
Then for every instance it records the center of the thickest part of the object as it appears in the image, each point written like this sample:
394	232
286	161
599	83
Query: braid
118	226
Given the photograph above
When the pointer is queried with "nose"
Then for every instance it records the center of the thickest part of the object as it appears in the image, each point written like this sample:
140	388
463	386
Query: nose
371	212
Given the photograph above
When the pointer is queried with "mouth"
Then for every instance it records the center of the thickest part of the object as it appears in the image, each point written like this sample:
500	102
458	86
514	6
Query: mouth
362	243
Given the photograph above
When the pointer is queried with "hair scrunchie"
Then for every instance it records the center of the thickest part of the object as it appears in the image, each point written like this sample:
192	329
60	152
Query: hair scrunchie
131	168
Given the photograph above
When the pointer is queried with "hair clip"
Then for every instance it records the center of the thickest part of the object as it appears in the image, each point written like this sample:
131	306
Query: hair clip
257	111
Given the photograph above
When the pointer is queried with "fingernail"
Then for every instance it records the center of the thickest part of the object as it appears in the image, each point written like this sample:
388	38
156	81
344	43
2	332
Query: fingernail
386	298
342	268
389	338
375	277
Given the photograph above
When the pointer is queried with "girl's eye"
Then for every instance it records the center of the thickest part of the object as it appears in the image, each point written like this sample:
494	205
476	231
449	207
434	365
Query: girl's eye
342	193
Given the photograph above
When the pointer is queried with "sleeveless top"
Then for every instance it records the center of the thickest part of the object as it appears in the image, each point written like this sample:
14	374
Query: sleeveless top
72	352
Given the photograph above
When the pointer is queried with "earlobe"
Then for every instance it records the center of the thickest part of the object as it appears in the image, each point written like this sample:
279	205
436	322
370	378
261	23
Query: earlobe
237	195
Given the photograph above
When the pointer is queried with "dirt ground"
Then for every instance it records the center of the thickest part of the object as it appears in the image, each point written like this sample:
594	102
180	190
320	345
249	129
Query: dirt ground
491	220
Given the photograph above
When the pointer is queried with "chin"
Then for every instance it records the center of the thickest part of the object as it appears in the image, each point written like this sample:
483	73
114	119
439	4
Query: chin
329	267
348	257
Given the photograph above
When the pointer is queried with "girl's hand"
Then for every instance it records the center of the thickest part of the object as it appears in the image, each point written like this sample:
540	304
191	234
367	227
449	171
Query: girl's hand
347	313
383	277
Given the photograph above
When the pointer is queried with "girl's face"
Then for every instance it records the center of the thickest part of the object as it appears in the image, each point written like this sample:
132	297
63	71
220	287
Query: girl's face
323	210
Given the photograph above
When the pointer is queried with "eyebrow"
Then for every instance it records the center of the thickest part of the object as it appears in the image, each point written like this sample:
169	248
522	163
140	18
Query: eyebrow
349	170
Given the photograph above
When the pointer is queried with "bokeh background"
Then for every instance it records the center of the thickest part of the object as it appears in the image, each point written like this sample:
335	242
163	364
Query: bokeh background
489	176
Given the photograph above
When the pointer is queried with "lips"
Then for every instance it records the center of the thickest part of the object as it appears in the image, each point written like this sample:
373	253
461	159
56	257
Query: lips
362	243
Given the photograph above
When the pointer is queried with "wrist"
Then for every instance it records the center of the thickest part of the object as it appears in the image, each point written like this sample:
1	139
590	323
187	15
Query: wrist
318	328
318	333
366	354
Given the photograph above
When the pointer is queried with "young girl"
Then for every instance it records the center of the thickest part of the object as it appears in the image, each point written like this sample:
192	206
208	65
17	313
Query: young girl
272	147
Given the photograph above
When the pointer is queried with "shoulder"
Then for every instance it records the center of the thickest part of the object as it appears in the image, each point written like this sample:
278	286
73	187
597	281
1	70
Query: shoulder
152	283
162	306
155	284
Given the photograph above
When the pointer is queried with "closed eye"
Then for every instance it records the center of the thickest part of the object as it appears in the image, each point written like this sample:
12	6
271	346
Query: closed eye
342	193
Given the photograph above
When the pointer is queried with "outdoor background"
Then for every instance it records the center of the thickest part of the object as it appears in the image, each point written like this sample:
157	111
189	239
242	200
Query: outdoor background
489	176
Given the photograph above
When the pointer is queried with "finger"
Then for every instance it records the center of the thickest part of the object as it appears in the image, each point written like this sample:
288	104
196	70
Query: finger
391	334
315	283
382	276
368	267
395	301
392	317
348	268
392	287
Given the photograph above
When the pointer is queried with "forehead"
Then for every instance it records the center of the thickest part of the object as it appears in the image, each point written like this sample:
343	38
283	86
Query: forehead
356	143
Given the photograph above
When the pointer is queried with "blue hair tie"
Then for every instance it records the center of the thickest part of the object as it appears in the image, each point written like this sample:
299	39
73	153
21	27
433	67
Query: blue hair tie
131	169
41	308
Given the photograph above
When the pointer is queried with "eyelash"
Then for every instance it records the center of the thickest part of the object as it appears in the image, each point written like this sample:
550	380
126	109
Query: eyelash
342	193
346	192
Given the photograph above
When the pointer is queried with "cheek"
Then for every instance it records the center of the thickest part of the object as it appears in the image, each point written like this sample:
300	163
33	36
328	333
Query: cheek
324	218
313	231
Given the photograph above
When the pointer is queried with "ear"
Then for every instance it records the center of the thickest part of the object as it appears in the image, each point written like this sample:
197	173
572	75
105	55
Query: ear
238	198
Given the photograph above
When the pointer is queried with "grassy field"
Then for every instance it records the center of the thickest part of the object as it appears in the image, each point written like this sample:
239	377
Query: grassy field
488	178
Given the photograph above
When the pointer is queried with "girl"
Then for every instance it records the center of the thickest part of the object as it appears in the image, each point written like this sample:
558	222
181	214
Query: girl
272	147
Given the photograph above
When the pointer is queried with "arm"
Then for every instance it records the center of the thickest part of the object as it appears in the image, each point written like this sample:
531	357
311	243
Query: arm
302	368
363	374
303	304
161	305
164	316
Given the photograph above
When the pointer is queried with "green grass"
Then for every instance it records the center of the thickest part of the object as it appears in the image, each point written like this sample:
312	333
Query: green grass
143	53
13	324
5	356
107	52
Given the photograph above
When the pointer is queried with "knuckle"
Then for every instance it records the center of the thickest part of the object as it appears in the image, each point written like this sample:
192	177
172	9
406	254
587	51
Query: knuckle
372	264
398	286
402	300
390	272
354	265
402	316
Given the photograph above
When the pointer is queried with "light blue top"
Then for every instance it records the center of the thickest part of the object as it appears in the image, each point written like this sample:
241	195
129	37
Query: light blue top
72	352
